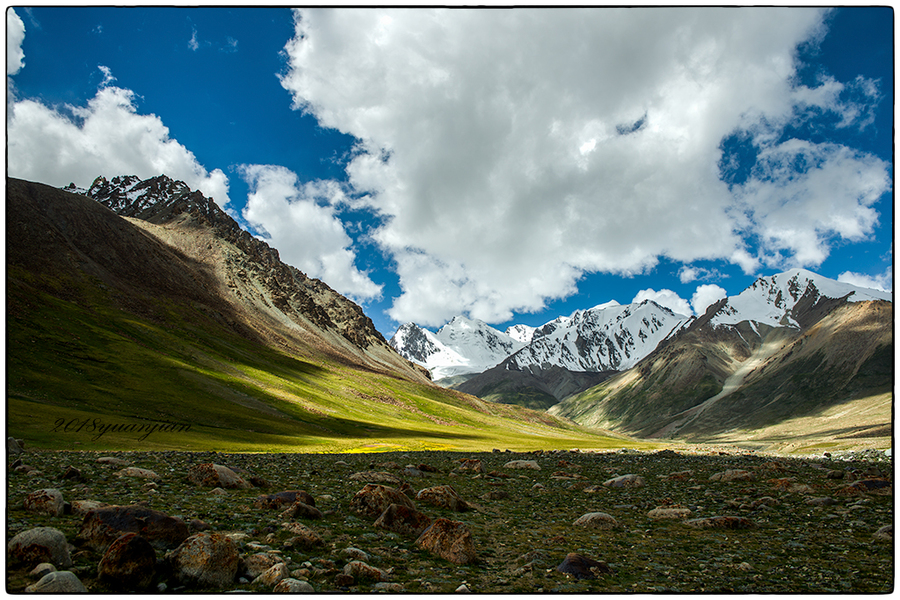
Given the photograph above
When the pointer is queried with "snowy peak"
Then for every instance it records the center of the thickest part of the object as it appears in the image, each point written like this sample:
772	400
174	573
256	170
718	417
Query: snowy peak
461	346
608	337
778	300
522	333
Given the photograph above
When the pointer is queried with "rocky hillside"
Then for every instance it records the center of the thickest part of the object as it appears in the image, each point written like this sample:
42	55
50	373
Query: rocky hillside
183	332
730	380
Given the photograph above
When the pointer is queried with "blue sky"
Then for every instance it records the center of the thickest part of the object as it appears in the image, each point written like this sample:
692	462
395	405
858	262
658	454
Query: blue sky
508	165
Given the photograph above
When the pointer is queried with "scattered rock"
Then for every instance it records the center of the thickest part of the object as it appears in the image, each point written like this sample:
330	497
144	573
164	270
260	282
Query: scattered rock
137	472
463	589
727	522
294	586
112	460
376	477
732	475
443	496
42	569
625	481
523	464
596	520
822	501
303	510
257	564
471	464
304	537
354	554
373	499
884	534
38	545
666	512
128	564
451	540
404	520
12	447
58	582
679	476
73	474
387	586
213	475
582	567
205	559
48	501
102	526
836	474
867	486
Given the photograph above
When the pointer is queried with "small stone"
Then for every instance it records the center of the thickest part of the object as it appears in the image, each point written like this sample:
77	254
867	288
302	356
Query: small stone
732	475
218	492
822	501
112	460
463	589
664	512
625	481
362	571
303	510
58	582
137	472
73	474
471	464
388	586
523	464
213	475
272	576
884	534
42	569
596	520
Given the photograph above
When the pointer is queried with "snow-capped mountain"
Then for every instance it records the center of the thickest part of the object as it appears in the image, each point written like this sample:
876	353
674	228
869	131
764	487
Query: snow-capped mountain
461	346
610	337
778	300
522	333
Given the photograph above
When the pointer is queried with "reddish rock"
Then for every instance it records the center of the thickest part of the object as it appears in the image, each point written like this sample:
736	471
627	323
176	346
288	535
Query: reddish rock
373	499
272	576
443	496
582	567
472	464
303	510
102	526
213	475
403	520
272	501
304	537
206	559
881	487
40	544
361	571
257	564
48	501
451	540
128	564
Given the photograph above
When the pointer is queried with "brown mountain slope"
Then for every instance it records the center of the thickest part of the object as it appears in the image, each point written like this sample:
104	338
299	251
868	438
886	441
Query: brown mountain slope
711	382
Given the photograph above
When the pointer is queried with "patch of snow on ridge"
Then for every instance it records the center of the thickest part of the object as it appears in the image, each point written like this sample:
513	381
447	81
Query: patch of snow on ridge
770	300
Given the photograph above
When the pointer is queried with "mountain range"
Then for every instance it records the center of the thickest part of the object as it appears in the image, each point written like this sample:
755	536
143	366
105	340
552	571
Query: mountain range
137	302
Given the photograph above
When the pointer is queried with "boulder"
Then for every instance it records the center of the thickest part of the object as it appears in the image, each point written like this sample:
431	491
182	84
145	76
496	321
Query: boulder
596	520
137	472
373	499
884	534
257	564
280	499
294	586
523	464
450	540
361	571
205	559
128	564
582	567
625	481
404	520
213	475
272	576
471	464
12	447
42	569
112	460
303	510
41	544
58	582
102	526
304	537
443	496
47	501
732	475
376	477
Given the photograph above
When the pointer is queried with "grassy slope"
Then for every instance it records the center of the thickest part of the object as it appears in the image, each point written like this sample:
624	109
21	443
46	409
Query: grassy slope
76	365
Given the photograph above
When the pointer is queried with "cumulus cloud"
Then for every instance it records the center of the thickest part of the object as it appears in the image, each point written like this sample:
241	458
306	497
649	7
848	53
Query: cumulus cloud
666	298
883	282
511	152
15	35
74	144
705	295
300	220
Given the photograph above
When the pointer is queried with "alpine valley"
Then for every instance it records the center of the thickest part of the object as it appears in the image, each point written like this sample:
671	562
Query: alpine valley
795	359
141	316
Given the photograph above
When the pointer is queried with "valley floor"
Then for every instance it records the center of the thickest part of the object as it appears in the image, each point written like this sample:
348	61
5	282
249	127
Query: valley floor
794	524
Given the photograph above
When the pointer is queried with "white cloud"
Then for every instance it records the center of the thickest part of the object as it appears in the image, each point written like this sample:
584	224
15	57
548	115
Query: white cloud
15	35
666	298
72	144
513	151
706	295
300	221
193	43
883	282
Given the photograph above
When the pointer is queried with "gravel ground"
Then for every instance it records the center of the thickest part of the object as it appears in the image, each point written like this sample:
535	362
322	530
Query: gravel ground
522	521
